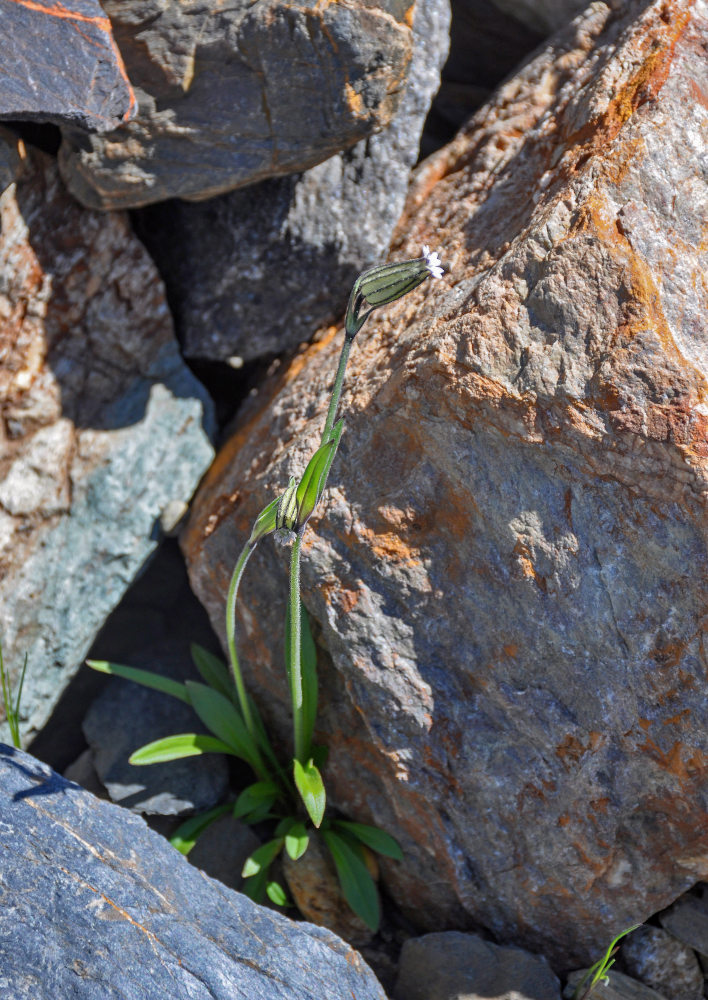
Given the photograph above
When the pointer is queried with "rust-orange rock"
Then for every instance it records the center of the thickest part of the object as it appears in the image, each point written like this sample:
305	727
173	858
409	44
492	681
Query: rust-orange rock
510	570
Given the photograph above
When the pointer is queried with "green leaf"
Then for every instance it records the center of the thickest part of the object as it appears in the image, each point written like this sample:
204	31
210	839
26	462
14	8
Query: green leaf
309	784
276	894
308	671
314	478
265	522
185	836
214	671
377	840
220	715
357	884
263	858
145	677
296	841
255	796
176	747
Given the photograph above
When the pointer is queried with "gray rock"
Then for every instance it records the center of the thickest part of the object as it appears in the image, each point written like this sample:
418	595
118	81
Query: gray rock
222	850
126	716
618	987
95	905
256	271
231	94
103	426
83	772
687	920
60	64
657	959
454	966
509	567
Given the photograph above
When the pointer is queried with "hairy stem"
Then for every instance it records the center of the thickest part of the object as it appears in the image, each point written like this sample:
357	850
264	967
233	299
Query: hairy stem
337	390
295	668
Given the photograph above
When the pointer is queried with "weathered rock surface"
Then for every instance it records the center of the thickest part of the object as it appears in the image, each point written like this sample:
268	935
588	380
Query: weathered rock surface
95	400
230	95
96	905
687	920
510	573
60	64
126	716
657	959
454	966
256	271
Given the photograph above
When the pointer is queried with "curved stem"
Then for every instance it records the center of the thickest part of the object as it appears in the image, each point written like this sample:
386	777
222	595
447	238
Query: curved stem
294	653
260	768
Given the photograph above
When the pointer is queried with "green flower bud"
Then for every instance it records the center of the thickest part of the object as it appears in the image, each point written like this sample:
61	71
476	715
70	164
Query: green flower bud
386	283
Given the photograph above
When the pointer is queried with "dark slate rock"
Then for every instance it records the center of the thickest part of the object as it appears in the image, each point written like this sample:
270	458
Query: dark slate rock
126	716
256	271
95	905
617	987
233	93
657	959
454	966
60	64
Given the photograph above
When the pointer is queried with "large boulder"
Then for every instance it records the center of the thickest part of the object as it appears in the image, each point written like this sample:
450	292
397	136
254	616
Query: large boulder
254	272
96	905
102	428
232	94
510	572
60	63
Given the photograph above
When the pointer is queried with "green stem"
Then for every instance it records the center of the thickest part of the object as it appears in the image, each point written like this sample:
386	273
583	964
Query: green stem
261	769
295	670
337	390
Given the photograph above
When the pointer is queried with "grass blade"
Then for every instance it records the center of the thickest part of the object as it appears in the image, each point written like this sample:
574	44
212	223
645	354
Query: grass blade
145	677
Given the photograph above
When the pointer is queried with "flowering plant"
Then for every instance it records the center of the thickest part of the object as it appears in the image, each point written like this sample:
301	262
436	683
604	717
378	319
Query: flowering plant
294	795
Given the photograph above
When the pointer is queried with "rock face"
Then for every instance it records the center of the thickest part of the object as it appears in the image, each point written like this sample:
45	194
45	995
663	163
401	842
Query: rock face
256	271
510	573
94	904
95	398
60	64
453	966
544	16
230	95
659	960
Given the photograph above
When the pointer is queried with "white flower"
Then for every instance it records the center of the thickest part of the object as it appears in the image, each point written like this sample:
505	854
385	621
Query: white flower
432	262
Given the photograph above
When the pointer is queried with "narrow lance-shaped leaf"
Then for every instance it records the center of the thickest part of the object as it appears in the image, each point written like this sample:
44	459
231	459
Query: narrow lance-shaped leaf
219	714
147	678
176	747
314	479
214	671
262	859
377	840
308	670
357	884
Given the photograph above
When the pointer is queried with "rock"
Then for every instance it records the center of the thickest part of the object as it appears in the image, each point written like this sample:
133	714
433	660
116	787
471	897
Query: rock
61	64
222	850
82	771
95	399
11	150
544	16
256	271
230	95
619	987
486	45
687	920
95	904
314	885
454	966
126	716
509	566
657	959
